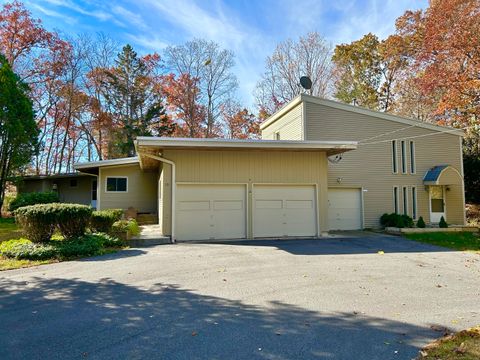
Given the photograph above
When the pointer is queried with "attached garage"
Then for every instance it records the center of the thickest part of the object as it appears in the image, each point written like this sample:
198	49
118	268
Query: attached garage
345	209
240	189
284	210
211	211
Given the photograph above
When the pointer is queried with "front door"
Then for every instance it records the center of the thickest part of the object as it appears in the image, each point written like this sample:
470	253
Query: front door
437	203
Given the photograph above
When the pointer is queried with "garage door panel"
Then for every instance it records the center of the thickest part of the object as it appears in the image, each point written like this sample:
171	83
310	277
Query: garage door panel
344	209
211	211
284	210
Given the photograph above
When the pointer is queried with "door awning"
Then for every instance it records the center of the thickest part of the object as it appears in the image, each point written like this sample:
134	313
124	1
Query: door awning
442	175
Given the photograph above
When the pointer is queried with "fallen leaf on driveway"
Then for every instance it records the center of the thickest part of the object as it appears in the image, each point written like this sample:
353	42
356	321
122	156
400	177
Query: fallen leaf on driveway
381	252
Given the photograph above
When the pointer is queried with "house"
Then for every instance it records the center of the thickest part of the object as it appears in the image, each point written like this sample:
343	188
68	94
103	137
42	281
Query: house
78	188
320	166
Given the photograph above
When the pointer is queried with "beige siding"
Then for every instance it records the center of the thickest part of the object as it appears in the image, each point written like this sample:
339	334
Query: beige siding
370	166
81	194
289	126
142	189
246	167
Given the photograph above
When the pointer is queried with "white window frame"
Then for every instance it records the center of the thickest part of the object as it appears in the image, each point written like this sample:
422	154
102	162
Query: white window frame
403	154
394	151
414	203
115	177
396	204
405	200
413	165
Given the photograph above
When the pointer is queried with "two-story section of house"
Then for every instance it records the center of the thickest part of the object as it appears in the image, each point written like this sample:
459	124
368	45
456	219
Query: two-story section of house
401	165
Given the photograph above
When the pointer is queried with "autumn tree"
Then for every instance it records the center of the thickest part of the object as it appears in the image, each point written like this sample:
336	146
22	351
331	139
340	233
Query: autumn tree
239	123
183	93
137	109
308	56
18	130
212	67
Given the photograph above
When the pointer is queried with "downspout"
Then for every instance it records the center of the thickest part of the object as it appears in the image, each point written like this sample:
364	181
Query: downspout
174	187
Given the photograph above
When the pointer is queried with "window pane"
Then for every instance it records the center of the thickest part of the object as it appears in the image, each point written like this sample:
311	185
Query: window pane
404	158
395	199
412	157
73	183
111	184
414	203
437	205
436	192
121	184
394	156
405	201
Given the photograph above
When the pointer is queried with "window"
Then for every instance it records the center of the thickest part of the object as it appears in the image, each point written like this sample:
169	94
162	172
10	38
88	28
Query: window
277	135
395	199
404	157
116	184
94	190
405	200
73	183
414	202
412	157
394	156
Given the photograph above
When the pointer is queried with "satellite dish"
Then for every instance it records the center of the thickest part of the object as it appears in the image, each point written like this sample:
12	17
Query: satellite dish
306	82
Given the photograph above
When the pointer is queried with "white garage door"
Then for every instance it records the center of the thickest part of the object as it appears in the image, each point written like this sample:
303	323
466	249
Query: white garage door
213	211
284	211
344	209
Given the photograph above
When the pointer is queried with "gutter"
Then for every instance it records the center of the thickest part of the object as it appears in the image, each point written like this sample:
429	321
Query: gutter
174	188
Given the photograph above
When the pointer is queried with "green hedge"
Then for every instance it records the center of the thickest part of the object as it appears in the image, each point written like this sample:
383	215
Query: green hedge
130	225
33	198
102	220
87	245
396	220
40	221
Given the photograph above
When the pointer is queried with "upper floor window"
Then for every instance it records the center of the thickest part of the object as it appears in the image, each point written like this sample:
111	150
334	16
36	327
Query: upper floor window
394	156
404	156
412	157
116	184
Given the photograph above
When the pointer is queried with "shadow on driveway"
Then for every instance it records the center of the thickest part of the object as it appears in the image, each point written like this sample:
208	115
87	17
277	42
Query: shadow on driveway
71	319
340	244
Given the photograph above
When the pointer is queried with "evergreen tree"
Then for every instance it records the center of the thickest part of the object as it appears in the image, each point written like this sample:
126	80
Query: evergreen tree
18	130
131	91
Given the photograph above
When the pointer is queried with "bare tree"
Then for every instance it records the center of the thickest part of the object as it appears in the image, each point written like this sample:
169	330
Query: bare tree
308	56
206	61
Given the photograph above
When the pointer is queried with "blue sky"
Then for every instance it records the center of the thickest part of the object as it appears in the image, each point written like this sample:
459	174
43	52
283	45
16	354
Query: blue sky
250	28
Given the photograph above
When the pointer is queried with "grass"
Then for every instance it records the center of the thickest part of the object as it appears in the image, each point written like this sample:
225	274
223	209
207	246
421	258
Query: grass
10	264
464	241
8	229
464	345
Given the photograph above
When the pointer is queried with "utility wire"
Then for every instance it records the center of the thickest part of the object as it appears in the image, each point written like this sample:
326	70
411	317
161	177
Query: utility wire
387	133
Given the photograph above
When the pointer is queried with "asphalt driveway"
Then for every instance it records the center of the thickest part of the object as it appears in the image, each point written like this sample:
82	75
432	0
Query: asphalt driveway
335	298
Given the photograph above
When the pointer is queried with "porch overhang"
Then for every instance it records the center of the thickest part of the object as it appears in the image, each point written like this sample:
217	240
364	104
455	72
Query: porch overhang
442	175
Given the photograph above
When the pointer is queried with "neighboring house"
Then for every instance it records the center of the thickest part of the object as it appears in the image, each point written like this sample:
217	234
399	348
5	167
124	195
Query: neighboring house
320	166
75	188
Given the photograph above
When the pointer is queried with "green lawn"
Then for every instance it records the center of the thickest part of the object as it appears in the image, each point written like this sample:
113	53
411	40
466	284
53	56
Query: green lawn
453	240
464	345
8	229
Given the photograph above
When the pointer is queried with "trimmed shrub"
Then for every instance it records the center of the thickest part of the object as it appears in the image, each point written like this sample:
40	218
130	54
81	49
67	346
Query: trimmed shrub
40	221
32	198
421	223
102	220
108	240
72	219
442	223
130	225
87	245
37	221
396	220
